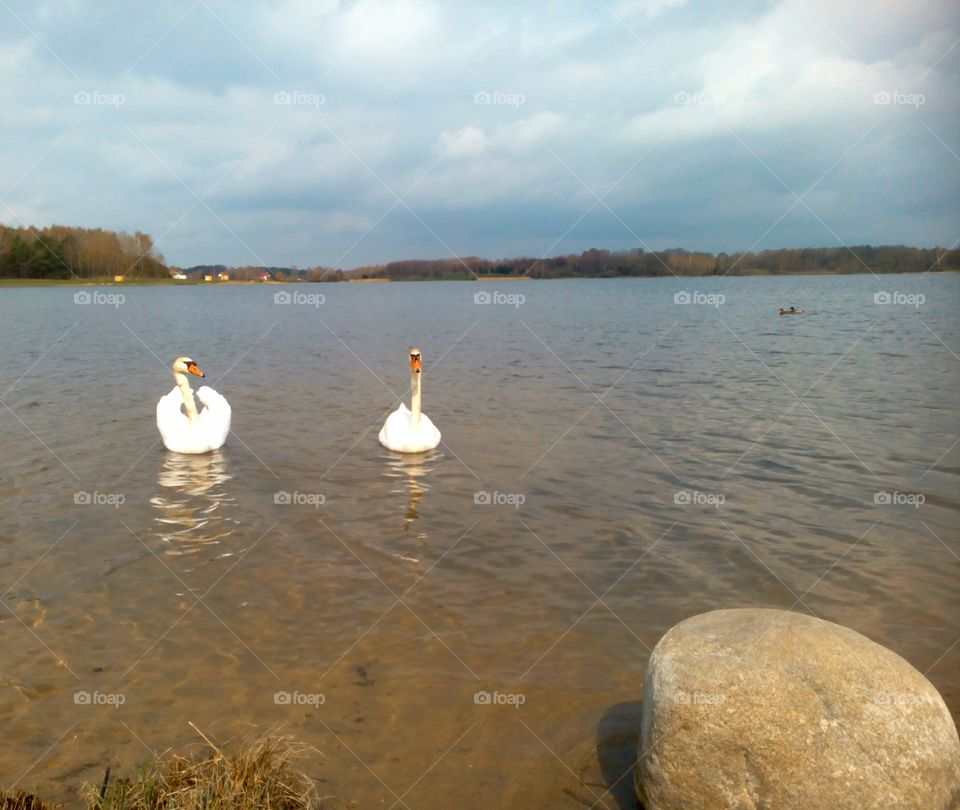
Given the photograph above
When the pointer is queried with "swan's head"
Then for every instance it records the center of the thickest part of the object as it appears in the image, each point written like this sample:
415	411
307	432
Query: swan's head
184	365
416	361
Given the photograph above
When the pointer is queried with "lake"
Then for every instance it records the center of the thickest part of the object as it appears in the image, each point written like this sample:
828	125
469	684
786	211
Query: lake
617	455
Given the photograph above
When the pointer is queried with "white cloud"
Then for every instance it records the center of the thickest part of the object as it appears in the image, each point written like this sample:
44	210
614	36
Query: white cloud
383	28
646	8
468	141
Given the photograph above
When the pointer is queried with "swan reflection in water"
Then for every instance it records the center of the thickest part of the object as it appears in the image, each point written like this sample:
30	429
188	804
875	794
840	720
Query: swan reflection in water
410	472
194	505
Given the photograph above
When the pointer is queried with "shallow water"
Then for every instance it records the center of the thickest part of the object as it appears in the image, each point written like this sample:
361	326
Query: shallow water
583	412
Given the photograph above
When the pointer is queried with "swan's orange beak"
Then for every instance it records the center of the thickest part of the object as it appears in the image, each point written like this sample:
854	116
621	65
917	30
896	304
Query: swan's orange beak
416	363
193	368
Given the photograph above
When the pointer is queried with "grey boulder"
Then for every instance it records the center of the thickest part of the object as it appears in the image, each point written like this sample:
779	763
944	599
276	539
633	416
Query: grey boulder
756	708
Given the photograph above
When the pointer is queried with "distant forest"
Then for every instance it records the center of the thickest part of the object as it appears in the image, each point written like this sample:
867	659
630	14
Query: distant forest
611	264
61	252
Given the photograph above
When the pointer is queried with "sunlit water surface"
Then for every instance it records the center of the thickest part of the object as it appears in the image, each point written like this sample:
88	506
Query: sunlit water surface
387	584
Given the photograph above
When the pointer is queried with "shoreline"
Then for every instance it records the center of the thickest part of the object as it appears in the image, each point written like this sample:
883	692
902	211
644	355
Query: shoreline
109	282
146	282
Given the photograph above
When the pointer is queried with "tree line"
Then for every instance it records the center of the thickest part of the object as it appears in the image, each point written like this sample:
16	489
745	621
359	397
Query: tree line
595	263
61	252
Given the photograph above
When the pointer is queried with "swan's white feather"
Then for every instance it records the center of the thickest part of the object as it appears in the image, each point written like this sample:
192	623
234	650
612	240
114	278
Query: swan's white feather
399	434
210	430
215	417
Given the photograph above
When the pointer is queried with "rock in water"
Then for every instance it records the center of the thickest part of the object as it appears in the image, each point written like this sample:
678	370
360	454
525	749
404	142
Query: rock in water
752	709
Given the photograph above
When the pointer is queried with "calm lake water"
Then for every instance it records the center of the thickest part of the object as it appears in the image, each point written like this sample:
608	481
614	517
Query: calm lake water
537	555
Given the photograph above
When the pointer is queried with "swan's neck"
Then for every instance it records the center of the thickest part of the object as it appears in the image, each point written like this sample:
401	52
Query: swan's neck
415	398
187	392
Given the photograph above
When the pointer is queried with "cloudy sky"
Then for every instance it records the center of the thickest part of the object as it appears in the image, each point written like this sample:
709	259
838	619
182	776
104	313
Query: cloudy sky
349	132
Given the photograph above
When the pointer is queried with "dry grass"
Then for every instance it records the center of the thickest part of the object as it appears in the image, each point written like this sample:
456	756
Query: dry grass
257	775
23	801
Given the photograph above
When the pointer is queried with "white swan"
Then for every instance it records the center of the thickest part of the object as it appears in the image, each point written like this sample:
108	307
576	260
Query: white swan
193	431
410	431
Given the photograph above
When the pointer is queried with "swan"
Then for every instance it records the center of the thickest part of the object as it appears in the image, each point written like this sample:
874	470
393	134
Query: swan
193	432
410	431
